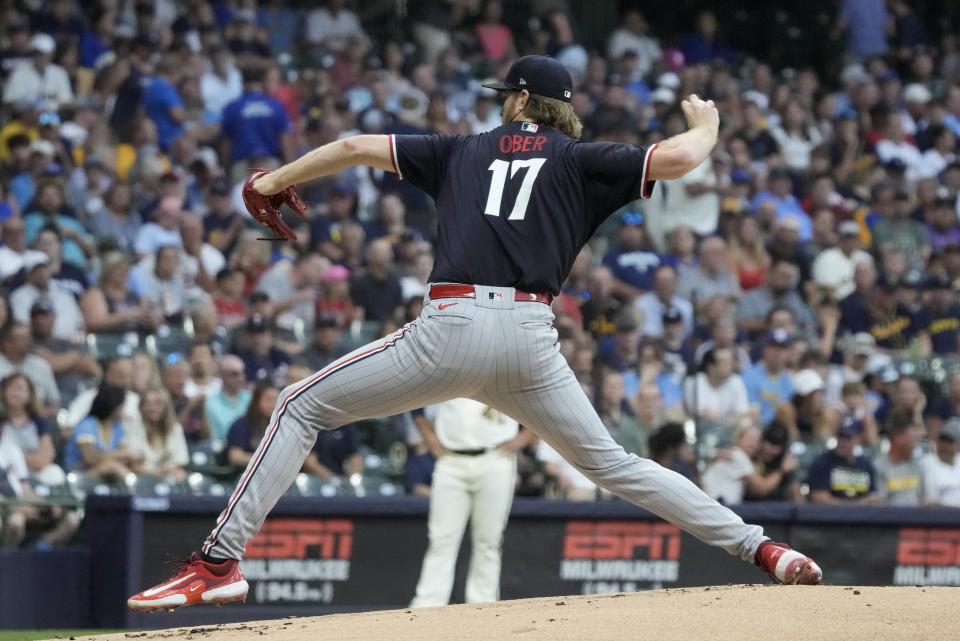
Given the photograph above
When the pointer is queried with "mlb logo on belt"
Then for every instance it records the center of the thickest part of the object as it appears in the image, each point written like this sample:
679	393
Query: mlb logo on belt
529	126
495	295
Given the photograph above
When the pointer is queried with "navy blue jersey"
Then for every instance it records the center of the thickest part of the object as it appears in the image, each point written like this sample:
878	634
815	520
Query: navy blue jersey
516	204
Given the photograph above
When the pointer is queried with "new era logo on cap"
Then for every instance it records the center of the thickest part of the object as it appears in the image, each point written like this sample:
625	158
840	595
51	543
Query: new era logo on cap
566	94
522	81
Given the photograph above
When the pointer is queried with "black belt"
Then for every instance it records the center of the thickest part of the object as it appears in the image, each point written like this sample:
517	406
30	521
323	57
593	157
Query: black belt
478	452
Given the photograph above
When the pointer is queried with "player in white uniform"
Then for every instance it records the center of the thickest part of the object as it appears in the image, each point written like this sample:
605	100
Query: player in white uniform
473	481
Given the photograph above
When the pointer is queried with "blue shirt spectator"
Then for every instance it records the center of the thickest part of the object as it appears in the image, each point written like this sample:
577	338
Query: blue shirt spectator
866	25
88	431
254	124
223	408
839	474
164	107
768	383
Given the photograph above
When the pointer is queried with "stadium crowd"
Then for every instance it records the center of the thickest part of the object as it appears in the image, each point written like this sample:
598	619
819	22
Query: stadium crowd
780	324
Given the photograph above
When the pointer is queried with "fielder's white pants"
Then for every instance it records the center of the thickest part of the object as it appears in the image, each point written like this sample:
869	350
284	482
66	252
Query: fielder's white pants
478	489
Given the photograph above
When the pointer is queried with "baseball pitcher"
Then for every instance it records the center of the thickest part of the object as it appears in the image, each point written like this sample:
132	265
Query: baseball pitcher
514	206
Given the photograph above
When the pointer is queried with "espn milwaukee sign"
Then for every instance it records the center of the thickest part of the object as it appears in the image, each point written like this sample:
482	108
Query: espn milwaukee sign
928	557
620	556
299	560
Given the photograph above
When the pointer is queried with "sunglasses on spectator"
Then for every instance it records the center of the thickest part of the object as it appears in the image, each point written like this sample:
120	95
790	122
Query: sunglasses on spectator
232	372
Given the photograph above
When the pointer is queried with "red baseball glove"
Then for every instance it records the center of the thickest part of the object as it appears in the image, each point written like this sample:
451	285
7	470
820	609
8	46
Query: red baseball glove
266	209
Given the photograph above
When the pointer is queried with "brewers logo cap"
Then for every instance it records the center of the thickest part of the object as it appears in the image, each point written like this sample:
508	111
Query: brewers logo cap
540	75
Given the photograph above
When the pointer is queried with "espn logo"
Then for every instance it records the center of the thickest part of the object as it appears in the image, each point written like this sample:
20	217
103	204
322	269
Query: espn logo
608	540
303	539
930	547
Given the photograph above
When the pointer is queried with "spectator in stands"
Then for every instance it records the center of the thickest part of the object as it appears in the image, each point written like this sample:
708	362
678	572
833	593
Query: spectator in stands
833	268
222	408
941	472
228	298
326	346
728	476
163	103
570	483
117	372
940	317
906	397
223	223
945	407
164	231
220	84
663	296
617	414
777	204
633	35
330	27
164	286
716	395
73	367
203	379
943	227
110	307
39	79
600	307
16	356
774	477
68	319
377	294
806	416
649	410
293	289
27	429
56	525
255	129
51	209
99	443
620	352
768	383
899	472
335	455
162	443
668	447
262	359
899	232
67	276
247	431
779	291
866	23
712	278
200	261
840	476
632	261
749	259
14	251
174	374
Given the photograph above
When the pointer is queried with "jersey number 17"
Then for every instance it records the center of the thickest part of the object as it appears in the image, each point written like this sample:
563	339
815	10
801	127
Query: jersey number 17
499	181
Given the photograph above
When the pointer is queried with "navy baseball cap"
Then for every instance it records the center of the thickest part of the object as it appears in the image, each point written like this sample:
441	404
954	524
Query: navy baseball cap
540	75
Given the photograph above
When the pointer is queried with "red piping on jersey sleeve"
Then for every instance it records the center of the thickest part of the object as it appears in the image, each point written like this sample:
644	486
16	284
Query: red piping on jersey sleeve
646	187
393	156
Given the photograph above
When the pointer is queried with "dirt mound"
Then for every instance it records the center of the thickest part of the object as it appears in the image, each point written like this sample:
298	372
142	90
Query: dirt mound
737	613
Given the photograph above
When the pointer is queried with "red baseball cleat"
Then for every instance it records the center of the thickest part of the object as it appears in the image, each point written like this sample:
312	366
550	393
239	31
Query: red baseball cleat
195	582
786	565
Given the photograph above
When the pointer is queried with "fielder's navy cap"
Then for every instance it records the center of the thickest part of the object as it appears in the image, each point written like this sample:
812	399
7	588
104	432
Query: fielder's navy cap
540	75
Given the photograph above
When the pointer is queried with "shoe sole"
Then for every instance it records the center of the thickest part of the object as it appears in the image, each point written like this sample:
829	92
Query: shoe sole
233	593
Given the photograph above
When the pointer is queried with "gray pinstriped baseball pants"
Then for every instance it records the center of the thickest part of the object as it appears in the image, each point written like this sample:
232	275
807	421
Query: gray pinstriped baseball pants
491	349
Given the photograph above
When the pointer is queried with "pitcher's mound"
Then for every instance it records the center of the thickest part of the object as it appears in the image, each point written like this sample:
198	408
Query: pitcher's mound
737	613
